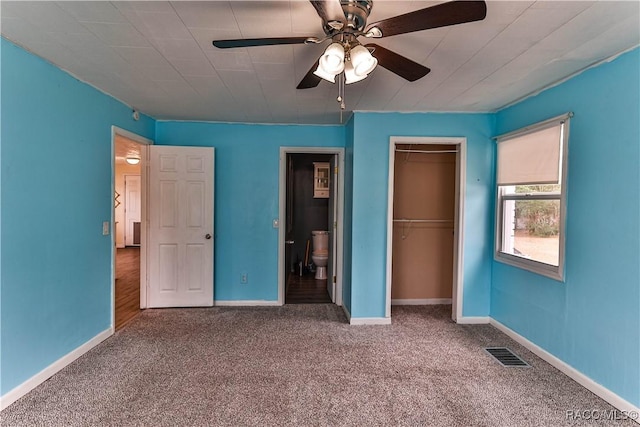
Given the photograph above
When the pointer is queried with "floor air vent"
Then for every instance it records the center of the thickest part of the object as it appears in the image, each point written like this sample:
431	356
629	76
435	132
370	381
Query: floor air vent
506	357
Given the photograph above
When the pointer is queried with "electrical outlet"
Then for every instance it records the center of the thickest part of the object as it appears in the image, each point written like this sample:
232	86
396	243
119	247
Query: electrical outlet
105	228
244	278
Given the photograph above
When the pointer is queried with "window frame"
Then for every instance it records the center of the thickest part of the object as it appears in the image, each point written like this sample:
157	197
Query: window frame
538	267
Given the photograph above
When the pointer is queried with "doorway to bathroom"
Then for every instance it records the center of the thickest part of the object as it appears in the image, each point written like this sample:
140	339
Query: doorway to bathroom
310	225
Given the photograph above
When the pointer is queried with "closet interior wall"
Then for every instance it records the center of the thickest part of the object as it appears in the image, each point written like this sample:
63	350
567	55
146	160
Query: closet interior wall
423	221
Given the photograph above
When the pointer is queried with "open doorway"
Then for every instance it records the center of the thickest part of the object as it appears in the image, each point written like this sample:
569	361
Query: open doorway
308	228
425	217
310	235
128	258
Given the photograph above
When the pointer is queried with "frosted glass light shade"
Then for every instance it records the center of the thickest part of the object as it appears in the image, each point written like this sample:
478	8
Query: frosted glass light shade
363	62
350	74
324	75
332	60
133	160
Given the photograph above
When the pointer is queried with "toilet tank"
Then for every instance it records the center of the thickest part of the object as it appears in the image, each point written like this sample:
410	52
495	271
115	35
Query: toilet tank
320	240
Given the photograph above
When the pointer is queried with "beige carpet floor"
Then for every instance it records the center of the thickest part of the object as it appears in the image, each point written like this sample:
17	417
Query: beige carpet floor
302	365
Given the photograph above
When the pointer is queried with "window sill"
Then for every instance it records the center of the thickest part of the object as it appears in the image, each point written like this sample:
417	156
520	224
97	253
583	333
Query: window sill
550	271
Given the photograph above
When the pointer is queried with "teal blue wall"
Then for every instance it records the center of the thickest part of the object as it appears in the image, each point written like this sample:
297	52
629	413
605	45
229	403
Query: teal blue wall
372	132
348	215
56	192
246	196
592	321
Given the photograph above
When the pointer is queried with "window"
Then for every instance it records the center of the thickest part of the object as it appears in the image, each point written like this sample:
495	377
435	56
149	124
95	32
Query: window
531	197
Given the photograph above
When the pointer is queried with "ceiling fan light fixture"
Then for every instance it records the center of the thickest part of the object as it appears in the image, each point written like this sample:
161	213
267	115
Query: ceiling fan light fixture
362	60
332	61
350	74
331	78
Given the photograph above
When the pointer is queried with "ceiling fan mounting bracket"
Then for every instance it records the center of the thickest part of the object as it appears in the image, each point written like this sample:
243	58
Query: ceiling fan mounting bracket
335	25
355	12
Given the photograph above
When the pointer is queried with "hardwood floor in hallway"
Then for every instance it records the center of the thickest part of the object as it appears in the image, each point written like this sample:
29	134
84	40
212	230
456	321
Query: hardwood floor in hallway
127	285
306	290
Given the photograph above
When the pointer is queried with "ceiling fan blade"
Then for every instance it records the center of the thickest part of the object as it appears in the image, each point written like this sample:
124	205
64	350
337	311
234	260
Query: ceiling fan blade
398	64
441	15
226	44
310	80
329	10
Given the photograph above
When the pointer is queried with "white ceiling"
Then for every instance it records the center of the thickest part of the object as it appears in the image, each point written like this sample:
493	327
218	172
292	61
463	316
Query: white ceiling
158	58
125	147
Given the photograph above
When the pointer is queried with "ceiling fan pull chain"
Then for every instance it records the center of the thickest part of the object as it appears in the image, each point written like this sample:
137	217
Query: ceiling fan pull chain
340	97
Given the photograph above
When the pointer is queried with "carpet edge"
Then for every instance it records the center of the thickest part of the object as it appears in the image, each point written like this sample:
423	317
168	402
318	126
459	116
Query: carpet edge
598	389
21	390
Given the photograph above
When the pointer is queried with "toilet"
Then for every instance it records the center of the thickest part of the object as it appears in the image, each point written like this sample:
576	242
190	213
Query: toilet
320	254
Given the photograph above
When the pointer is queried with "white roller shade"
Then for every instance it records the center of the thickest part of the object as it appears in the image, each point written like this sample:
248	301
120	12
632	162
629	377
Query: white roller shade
532	158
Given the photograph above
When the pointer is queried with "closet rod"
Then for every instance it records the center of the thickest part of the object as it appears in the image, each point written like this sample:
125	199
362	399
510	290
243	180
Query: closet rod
422	220
426	151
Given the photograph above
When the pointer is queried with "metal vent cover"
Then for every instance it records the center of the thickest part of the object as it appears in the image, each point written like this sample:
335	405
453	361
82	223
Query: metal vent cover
506	357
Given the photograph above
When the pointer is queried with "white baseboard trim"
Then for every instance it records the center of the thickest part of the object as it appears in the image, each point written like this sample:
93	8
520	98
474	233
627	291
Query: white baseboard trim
24	388
246	303
426	301
586	382
473	320
370	321
346	311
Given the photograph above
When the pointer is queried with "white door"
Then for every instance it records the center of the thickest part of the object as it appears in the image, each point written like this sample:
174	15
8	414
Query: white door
180	226
132	209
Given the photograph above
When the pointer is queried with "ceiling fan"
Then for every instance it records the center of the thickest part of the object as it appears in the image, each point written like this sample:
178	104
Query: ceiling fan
344	21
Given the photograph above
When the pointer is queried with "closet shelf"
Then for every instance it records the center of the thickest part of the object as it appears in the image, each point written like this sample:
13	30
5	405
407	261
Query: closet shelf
399	150
422	220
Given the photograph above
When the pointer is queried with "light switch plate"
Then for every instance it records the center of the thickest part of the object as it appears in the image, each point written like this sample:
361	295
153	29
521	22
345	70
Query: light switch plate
276	223
105	228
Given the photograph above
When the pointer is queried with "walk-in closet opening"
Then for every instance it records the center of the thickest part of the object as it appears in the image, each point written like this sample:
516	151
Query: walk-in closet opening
424	208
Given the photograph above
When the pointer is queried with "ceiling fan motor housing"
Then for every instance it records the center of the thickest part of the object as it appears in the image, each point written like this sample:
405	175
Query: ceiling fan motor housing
356	13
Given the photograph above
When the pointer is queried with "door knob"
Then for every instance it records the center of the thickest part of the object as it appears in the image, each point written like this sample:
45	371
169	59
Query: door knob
207	236
289	242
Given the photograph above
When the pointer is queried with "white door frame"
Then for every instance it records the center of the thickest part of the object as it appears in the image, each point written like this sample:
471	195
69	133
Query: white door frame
144	142
282	193
333	226
458	242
